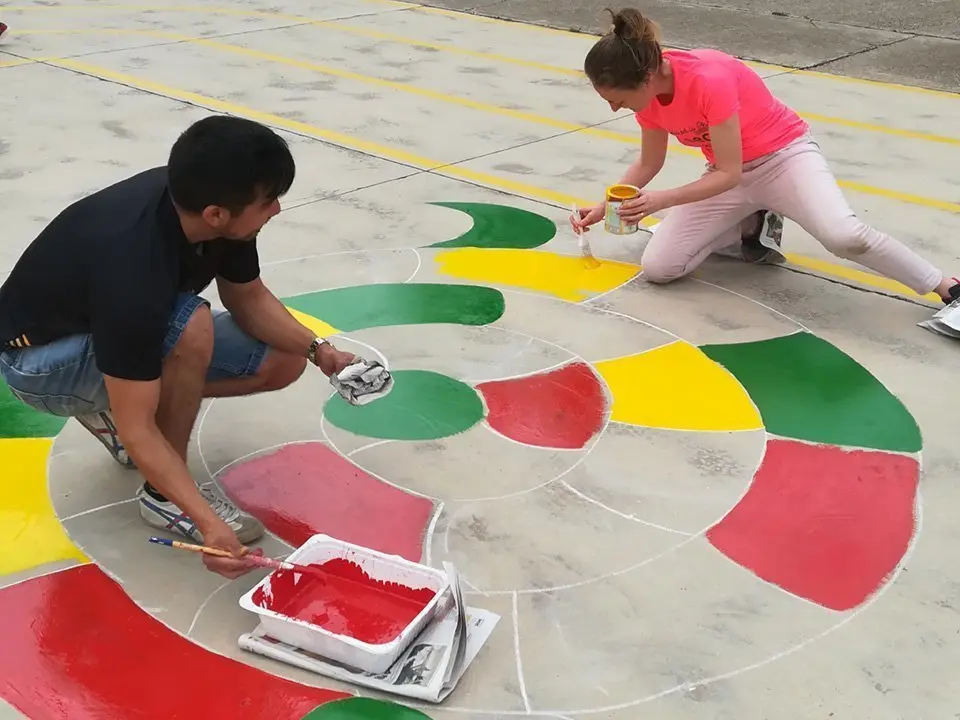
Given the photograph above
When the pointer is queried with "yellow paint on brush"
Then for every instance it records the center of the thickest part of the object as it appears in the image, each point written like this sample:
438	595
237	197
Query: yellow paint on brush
318	326
564	276
30	532
677	387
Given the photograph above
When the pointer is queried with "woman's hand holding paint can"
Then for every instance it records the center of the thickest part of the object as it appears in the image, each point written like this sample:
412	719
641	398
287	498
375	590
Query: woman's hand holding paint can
645	204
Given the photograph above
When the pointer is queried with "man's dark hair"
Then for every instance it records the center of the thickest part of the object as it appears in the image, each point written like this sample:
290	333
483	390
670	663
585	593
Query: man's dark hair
229	162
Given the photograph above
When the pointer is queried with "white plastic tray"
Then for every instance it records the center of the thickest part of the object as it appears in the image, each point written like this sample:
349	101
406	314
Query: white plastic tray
342	648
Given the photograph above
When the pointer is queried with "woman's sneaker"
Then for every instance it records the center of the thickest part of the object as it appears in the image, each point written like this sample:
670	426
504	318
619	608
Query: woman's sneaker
102	427
763	245
164	515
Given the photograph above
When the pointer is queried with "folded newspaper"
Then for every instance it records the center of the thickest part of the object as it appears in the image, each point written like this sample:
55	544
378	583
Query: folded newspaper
945	321
428	670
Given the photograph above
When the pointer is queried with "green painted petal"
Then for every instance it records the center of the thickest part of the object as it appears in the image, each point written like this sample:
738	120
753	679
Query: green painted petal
22	421
500	226
364	709
808	389
383	304
423	405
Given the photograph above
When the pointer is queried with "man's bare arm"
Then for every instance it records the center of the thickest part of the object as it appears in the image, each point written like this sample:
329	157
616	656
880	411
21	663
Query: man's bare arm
260	313
134	407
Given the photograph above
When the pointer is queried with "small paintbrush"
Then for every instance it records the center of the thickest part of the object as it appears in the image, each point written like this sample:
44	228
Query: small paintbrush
252	559
589	261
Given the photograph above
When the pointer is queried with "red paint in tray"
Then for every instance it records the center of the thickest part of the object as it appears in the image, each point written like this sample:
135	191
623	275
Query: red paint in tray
346	602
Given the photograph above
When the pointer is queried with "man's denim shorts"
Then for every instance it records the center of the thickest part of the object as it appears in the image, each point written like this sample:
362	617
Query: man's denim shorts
62	377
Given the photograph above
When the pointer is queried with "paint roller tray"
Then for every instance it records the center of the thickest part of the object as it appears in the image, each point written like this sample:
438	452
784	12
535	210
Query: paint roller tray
345	648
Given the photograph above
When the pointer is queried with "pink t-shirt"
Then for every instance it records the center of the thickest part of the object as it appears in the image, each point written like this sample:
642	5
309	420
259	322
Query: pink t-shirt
709	87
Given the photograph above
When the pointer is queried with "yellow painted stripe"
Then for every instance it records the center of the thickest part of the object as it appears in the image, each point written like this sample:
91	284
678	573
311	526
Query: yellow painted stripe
878	83
421	92
451	48
910	198
885	129
677	387
124	7
317	326
854	275
566	277
30	532
16	62
561	199
347	141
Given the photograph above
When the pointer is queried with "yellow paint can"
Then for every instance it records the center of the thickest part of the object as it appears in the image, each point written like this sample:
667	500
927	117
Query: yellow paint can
612	222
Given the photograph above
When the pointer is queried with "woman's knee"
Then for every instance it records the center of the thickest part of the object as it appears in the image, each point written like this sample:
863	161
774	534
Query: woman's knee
849	238
661	268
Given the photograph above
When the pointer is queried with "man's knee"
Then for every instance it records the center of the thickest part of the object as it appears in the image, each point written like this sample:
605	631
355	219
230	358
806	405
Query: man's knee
195	344
279	370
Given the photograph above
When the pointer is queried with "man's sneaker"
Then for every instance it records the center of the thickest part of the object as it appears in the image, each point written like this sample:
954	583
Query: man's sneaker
763	245
102	427
3	30
164	515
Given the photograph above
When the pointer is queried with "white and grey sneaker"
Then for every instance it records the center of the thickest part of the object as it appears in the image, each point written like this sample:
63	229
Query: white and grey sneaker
102	427
164	515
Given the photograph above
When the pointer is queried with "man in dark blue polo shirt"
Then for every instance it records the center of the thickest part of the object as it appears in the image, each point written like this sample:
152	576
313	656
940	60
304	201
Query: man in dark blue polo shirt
101	317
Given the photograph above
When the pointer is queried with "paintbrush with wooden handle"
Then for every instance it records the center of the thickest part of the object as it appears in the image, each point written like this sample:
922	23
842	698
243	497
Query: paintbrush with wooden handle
252	559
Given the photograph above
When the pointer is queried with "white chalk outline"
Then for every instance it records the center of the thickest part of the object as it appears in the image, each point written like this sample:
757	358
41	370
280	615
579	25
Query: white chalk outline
521	682
203	605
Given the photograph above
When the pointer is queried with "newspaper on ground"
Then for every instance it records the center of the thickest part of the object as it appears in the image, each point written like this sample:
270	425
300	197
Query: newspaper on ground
945	321
428	670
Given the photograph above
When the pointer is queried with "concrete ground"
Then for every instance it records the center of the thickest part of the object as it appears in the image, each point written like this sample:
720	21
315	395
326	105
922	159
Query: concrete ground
692	501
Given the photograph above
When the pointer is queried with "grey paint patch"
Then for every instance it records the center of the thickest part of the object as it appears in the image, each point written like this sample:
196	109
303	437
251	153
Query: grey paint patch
515	168
117	129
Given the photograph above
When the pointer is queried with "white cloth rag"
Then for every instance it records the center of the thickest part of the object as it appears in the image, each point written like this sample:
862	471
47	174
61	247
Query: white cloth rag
362	381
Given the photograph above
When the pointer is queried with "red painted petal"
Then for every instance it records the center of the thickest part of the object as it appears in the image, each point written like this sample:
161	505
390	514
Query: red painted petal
76	646
304	489
562	408
823	523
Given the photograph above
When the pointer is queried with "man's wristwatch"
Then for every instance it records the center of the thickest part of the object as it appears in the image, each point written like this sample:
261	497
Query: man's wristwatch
315	348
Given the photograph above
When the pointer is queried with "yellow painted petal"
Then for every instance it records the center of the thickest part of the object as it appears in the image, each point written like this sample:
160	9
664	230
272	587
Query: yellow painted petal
317	325
564	276
677	387
30	532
